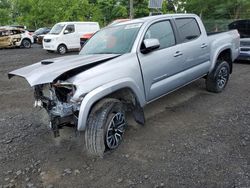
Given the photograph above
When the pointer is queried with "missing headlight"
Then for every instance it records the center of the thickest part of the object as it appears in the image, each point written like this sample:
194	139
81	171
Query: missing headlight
64	91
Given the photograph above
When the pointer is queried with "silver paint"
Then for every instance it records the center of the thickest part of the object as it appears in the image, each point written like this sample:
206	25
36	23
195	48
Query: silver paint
149	76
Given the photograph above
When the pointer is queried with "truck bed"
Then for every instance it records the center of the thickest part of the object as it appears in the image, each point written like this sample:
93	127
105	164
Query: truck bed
227	38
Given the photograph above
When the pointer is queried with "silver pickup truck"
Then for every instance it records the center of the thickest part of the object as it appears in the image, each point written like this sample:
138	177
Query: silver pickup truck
124	67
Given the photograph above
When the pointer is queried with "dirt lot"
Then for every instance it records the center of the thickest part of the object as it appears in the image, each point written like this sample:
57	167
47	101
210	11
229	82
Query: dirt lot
192	138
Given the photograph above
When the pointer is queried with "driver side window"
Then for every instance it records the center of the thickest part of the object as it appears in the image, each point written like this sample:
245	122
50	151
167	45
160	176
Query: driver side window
69	29
163	32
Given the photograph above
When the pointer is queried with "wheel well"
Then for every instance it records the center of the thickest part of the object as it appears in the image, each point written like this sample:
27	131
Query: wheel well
125	95
63	45
26	39
227	56
129	101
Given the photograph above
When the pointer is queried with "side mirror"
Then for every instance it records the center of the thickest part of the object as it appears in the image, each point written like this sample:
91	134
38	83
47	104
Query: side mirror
66	32
150	45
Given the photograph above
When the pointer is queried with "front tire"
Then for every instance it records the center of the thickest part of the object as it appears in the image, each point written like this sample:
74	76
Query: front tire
105	127
217	80
62	49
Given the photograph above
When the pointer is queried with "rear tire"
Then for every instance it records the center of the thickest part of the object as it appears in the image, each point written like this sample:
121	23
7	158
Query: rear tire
26	43
62	49
105	127
217	80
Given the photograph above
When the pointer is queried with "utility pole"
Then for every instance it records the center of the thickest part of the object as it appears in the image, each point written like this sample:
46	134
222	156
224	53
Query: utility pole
131	9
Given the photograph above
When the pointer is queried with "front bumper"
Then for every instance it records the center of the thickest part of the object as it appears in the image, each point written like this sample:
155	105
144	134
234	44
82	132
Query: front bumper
244	54
49	46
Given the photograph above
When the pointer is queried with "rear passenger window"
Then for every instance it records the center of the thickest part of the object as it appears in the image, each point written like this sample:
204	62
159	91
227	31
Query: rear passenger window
163	32
15	32
188	29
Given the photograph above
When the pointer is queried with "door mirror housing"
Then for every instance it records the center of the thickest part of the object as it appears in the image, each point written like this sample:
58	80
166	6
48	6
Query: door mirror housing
66	31
150	45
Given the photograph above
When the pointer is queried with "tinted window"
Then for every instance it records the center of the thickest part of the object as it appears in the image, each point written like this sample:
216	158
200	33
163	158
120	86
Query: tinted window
15	32
163	32
70	28
188	29
39	31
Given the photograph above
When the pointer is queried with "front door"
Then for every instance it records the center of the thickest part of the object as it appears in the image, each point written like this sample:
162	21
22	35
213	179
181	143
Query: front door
161	67
70	37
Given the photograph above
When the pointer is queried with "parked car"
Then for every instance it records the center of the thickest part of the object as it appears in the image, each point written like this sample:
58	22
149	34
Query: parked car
40	39
40	32
18	26
15	37
243	26
84	38
125	67
65	36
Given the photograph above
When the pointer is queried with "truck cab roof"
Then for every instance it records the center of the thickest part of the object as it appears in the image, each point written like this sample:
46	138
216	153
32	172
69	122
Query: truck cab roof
152	18
77	23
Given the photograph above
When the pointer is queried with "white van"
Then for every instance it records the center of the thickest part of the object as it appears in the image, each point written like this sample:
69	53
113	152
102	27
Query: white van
65	36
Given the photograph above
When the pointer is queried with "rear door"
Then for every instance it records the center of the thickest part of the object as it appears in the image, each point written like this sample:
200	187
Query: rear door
17	37
194	45
159	67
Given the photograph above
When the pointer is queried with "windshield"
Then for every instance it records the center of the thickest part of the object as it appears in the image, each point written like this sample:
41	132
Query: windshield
112	40
38	31
57	29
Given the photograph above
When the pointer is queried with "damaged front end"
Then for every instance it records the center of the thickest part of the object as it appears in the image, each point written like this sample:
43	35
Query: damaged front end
56	99
53	90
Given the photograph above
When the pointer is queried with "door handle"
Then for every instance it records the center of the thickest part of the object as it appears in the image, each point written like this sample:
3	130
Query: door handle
204	45
178	53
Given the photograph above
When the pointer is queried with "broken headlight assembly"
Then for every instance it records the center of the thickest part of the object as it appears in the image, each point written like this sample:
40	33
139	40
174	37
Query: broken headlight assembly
56	98
64	91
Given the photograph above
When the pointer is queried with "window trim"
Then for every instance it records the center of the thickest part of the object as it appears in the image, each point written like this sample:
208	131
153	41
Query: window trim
173	29
70	25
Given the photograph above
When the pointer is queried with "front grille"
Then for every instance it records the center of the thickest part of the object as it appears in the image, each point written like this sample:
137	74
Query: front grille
245	43
245	49
47	40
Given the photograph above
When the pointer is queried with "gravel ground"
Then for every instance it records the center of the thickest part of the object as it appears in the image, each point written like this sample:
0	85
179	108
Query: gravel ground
192	138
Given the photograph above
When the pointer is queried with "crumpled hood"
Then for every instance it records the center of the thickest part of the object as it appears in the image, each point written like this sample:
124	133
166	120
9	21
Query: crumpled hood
49	70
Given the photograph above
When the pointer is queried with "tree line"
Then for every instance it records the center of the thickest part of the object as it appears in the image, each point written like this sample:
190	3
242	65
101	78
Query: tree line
40	13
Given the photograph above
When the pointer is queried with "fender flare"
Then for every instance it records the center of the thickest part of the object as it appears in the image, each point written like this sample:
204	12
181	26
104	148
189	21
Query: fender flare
217	53
102	91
